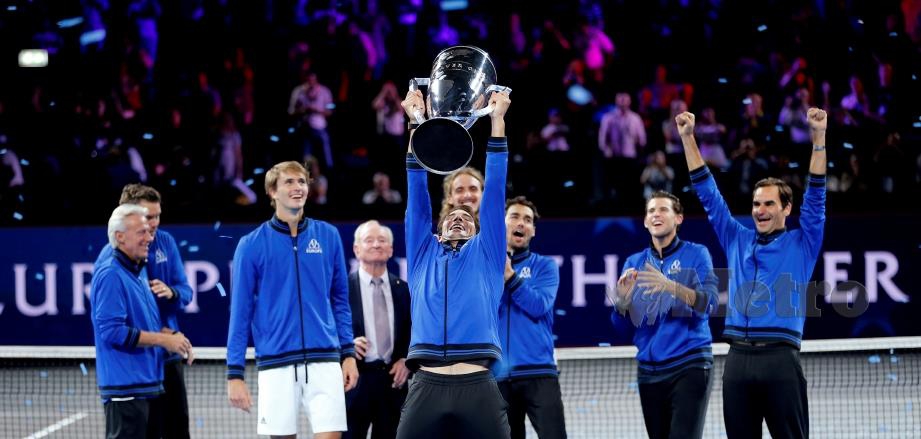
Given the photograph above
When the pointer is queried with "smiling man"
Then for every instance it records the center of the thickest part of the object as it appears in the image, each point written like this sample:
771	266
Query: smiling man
290	291
462	187
380	322
456	282
668	291
769	269
527	374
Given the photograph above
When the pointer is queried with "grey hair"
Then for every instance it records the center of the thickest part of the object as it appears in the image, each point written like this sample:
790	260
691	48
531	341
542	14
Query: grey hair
361	228
117	220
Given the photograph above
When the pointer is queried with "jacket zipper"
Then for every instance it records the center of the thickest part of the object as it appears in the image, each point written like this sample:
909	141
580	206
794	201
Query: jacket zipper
445	343
752	290
300	303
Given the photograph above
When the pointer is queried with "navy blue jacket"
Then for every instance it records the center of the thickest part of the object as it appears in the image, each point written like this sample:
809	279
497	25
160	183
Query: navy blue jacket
292	293
164	264
671	336
526	319
122	307
768	273
455	292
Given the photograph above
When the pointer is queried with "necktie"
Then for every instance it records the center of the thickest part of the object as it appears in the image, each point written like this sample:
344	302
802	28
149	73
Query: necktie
381	319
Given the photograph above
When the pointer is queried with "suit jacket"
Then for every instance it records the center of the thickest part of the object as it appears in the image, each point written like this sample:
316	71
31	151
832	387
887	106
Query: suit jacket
401	319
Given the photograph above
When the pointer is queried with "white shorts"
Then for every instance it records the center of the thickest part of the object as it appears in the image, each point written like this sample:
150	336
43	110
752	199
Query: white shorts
323	396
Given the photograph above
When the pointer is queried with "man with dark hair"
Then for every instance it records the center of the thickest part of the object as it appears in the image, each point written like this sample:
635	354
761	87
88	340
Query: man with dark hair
527	373
126	325
769	269
456	282
669	290
168	282
381	325
290	291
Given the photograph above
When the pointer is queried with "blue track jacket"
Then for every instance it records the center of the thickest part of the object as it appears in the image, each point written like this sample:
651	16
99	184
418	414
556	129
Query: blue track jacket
526	319
768	274
165	264
670	336
455	293
122	307
292	293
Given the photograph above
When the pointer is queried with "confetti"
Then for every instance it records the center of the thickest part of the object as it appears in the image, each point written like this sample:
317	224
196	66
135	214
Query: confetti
193	249
762	28
258	171
561	312
39	276
274	138
220	289
183	243
225	236
874	359
43	374
722	80
892	377
24	162
217	225
17	216
28	403
83	369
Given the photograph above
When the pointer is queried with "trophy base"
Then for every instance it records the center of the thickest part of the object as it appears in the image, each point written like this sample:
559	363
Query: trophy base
442	145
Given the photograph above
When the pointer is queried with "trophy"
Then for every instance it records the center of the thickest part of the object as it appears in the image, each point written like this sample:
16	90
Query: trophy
462	79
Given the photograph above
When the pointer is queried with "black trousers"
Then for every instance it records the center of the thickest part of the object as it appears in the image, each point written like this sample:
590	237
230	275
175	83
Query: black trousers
374	402
538	398
130	420
454	406
765	382
172	407
676	408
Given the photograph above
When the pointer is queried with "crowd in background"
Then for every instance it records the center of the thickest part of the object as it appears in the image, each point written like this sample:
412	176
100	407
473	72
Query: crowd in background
198	98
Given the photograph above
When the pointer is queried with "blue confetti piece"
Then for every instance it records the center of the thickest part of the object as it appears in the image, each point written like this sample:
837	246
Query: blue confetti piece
892	377
193	249
217	225
40	276
874	359
89	248
83	369
722	80
172	182
604	345
258	171
848	145
633	386
561	312
568	183
225	236
11	8
28	403
43	374
778	128
893	34
21	198
793	165
183	243
274	138
248	182
199	423
220	289
290	130
762	28
894	359
3	151
859	21
24	162
916	124
555	337
147	136
17	216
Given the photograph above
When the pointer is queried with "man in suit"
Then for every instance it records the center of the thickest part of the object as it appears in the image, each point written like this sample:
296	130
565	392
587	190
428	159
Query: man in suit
380	306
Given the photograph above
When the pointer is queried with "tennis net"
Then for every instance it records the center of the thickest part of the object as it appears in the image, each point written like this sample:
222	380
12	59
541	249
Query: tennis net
859	388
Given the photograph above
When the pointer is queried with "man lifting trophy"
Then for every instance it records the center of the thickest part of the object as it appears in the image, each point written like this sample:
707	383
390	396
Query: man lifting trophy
462	79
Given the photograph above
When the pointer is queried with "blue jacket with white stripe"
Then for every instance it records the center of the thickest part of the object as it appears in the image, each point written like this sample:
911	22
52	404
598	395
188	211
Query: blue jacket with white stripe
768	272
455	292
122	307
526	319
292	293
671	336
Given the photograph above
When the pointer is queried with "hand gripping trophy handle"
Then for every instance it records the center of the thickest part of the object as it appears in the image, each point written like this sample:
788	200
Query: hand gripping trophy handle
488	109
414	84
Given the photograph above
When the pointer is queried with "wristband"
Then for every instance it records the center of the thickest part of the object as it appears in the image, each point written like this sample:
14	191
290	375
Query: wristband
818	148
411	126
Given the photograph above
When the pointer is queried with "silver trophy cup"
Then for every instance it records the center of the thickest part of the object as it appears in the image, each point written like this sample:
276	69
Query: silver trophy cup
462	79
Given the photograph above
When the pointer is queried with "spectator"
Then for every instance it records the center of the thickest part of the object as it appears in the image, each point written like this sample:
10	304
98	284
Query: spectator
381	193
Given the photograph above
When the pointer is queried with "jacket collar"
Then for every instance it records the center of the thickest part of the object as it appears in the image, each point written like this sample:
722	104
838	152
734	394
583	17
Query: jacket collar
767	238
282	227
460	244
125	261
520	255
669	250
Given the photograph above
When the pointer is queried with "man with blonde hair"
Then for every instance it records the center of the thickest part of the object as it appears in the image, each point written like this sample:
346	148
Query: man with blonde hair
291	293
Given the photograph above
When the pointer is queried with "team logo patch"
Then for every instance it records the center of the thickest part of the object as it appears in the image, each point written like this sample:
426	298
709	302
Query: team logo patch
675	268
314	247
160	257
525	273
